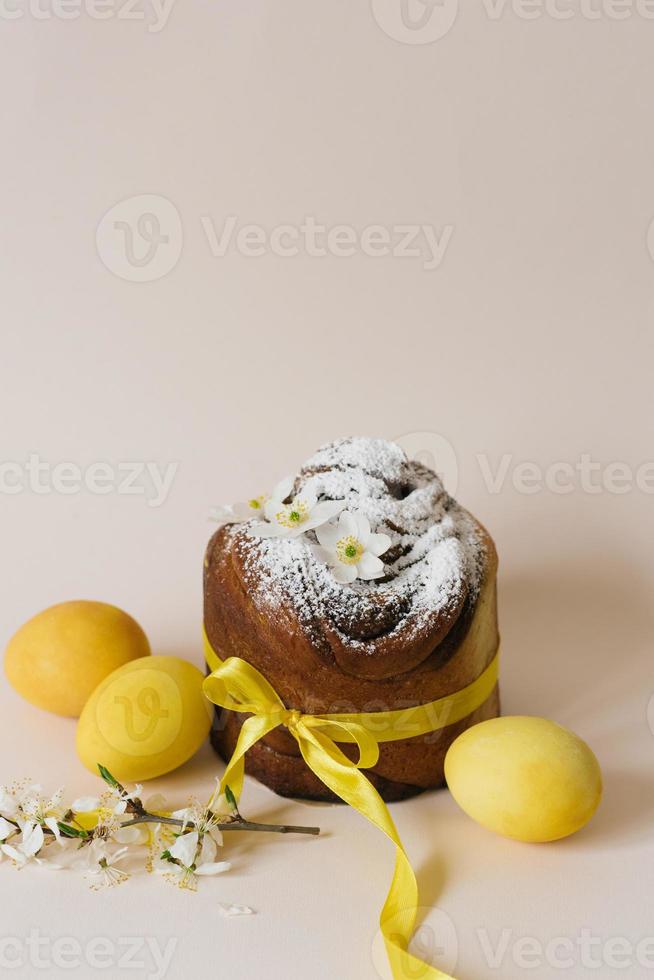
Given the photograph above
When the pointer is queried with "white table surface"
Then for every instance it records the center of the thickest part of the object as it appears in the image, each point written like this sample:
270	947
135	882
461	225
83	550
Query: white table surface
531	342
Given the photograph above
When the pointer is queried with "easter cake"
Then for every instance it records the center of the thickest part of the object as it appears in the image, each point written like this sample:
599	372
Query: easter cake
367	588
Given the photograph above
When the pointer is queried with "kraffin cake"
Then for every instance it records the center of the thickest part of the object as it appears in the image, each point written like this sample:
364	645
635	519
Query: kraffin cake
423	627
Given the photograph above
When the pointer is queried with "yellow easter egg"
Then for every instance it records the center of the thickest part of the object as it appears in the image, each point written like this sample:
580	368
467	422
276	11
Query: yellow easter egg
145	719
525	778
59	657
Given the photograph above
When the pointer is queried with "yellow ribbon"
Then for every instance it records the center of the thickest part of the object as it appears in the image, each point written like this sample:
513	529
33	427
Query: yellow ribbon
237	685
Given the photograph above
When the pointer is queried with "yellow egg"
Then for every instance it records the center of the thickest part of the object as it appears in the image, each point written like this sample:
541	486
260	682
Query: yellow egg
60	656
145	719
525	778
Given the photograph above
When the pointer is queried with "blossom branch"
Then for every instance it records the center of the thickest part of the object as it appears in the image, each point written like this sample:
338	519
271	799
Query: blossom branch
182	844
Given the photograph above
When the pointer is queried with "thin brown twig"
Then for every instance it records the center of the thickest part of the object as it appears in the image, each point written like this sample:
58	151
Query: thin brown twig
234	824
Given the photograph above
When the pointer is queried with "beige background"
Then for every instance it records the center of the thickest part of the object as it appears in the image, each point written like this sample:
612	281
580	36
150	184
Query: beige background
530	342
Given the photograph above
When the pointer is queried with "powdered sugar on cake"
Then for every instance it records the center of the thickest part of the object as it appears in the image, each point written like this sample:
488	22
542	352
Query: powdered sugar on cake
434	563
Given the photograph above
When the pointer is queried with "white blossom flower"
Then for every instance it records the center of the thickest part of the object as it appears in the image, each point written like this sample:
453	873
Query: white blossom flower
102	871
132	835
219	805
350	548
186	815
303	513
6	829
43	810
204	820
28	847
114	801
237	513
147	833
86	804
254	507
193	854
207	864
156	803
193	851
8	804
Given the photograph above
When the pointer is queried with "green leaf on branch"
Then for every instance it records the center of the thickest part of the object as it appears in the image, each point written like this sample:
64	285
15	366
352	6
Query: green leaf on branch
108	778
67	831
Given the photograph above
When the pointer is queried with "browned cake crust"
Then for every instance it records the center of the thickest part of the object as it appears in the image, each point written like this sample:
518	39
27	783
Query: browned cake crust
426	629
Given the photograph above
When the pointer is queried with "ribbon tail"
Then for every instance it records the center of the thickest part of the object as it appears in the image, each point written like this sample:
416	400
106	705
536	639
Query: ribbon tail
253	729
397	919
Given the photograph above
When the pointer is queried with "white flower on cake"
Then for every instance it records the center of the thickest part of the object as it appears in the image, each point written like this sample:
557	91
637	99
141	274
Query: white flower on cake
246	510
238	513
351	549
304	513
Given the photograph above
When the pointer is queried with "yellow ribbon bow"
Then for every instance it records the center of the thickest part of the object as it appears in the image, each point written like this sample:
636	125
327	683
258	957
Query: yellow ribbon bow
237	685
